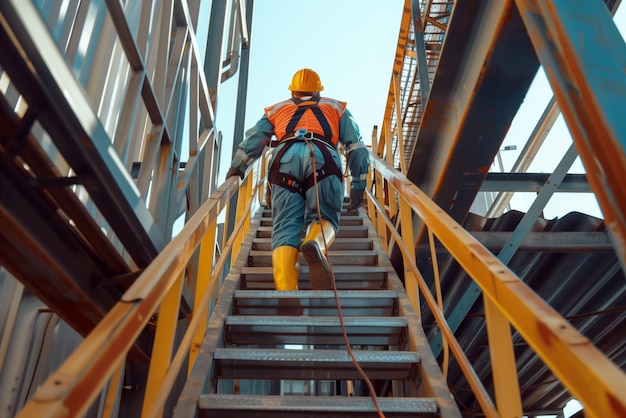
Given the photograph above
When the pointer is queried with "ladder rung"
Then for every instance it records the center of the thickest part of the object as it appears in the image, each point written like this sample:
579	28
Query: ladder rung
229	406
250	363
315	303
319	330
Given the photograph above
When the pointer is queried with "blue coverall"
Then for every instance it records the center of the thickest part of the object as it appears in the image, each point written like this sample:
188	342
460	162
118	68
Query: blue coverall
291	211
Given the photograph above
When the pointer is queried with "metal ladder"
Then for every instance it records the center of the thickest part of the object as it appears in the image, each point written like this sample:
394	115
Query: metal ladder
282	354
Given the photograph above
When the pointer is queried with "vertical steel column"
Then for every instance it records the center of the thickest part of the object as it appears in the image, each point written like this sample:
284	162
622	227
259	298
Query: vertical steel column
213	56
242	91
242	94
420	51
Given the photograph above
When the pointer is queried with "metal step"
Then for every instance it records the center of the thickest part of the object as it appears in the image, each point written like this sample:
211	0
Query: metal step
344	232
339	244
337	258
235	363
309	330
344	220
316	303
236	406
346	277
267	213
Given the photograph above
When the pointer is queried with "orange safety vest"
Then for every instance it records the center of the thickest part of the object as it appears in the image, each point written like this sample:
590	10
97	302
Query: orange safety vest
320	118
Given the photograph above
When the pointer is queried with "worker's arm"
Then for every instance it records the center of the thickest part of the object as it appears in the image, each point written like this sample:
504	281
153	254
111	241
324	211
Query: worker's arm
358	157
251	148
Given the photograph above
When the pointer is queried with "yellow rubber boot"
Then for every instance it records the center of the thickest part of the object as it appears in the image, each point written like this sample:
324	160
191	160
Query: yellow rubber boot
286	272
314	250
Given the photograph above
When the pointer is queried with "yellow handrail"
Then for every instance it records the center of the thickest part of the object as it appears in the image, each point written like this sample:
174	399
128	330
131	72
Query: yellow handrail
472	378
71	389
170	378
588	374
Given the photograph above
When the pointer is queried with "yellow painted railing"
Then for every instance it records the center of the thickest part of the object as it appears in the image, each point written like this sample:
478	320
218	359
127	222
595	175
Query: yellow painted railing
154	298
588	374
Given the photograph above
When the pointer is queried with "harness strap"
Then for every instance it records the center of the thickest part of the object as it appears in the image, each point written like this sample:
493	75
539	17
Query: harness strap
321	119
285	180
319	115
291	126
328	169
292	183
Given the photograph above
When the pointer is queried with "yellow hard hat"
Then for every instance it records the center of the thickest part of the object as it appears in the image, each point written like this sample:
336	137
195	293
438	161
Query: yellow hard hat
306	80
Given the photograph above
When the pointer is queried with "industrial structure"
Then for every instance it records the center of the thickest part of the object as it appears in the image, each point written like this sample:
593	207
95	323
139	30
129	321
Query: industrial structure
133	284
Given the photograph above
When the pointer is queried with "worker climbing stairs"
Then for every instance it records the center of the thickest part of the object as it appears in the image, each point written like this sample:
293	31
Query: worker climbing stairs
281	354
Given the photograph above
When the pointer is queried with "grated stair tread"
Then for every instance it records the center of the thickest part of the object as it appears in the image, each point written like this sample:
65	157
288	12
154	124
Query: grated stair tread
339	244
274	330
344	232
315	302
361	258
344	220
227	406
249	363
346	277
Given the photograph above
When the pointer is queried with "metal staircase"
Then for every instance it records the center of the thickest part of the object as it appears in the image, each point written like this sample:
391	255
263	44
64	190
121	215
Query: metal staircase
271	354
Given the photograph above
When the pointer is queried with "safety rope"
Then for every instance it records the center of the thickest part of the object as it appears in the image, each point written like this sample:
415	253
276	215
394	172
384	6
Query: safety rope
332	273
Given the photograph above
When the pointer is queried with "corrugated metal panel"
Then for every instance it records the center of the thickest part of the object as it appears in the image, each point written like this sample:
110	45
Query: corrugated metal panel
588	288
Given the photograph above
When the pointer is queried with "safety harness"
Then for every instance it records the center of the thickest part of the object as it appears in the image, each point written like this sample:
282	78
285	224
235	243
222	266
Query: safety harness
329	168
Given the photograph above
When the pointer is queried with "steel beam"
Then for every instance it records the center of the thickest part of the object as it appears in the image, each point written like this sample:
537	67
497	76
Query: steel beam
548	242
484	72
30	236
40	73
533	182
420	51
462	308
584	56
528	153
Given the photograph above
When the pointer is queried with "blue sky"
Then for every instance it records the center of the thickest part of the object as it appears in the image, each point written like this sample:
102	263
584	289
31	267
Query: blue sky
349	43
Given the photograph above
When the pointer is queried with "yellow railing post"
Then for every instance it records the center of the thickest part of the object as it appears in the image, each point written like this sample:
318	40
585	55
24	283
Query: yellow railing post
503	366
113	392
396	97
205	267
369	184
435	264
163	342
242	198
392	206
379	193
380	197
406	218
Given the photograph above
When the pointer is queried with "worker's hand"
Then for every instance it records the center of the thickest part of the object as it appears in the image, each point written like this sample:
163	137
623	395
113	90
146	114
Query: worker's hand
356	199
234	171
